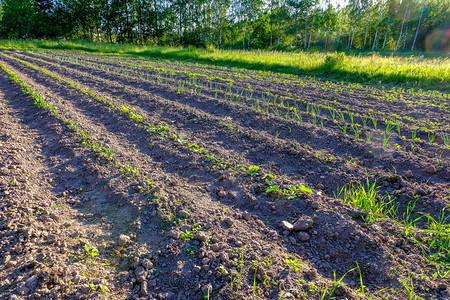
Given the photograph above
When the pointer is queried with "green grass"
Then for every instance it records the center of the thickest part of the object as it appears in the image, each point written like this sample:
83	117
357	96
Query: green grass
407	71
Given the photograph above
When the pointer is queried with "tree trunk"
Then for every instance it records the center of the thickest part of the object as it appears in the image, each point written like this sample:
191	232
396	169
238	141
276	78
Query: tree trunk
387	29
243	37
310	35
375	40
401	28
340	30
406	35
417	30
248	44
279	28
326	36
367	30
220	34
271	35
296	32
306	30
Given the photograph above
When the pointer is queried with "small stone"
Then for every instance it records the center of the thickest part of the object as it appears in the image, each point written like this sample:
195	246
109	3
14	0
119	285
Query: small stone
430	170
197	269
408	174
124	240
320	186
183	214
222	194
144	289
303	236
292	240
246	216
201	236
147	264
51	238
11	264
224	257
286	225
229	221
370	154
233	195
23	290
140	273
303	223
315	205
420	191
207	289
185	228
173	234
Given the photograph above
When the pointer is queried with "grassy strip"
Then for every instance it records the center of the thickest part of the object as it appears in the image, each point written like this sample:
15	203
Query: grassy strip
434	240
411	71
163	131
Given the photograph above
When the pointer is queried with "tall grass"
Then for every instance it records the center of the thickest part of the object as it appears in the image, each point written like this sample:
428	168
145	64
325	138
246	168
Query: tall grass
412	71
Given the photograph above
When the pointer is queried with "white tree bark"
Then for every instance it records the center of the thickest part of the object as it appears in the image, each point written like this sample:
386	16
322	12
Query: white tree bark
401	28
367	30
417	30
387	29
375	40
306	30
310	35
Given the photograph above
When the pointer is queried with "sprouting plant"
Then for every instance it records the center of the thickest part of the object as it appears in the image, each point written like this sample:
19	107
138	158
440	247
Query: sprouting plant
268	179
332	113
364	120
126	169
390	125
445	138
238	275
414	134
252	171
273	188
374	119
90	251
160	130
369	136
356	130
343	127
276	136
191	250
386	138
341	114
294	264
350	114
314	121
431	136
319	154
408	284
186	236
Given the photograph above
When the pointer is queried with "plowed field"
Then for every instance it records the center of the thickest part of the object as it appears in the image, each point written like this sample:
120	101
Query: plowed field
124	178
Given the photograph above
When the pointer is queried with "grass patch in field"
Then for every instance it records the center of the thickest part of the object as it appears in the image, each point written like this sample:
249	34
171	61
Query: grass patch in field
410	71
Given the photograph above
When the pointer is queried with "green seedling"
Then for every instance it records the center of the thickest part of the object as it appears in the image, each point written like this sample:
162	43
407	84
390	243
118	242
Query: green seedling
252	171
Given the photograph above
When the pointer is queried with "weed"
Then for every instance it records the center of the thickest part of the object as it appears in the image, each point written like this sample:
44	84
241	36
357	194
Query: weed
365	196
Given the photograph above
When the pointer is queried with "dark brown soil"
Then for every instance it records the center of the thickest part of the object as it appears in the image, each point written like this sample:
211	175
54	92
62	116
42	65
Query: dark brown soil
58	197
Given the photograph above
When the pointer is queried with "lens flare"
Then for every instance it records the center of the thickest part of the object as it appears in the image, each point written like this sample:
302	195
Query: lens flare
438	40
